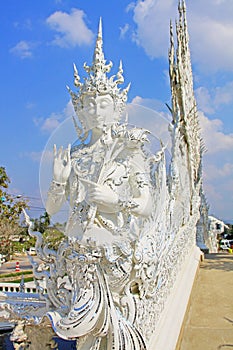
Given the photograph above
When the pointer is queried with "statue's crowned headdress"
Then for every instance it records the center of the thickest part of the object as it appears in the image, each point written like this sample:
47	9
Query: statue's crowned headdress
97	82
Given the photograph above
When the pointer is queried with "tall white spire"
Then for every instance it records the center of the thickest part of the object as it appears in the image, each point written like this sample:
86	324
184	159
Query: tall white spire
184	109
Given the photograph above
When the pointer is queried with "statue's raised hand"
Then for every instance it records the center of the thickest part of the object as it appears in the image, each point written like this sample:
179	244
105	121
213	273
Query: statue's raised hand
61	164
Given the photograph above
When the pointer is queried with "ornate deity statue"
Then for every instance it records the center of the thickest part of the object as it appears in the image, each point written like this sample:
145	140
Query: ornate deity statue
105	177
131	222
107	180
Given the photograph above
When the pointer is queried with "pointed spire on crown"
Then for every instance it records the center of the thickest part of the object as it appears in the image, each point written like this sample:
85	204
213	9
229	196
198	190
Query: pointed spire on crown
97	82
99	66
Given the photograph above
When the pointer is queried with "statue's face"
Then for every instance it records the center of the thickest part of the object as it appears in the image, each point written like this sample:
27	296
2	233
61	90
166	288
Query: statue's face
97	111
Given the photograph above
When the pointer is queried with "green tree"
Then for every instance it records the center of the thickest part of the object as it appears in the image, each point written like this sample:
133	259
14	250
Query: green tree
10	210
42	223
52	237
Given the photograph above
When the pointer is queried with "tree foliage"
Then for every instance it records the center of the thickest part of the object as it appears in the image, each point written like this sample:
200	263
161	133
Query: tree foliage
53	237
42	223
10	210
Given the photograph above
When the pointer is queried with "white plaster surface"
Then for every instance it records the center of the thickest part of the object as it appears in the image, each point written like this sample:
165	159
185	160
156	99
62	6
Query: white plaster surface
169	326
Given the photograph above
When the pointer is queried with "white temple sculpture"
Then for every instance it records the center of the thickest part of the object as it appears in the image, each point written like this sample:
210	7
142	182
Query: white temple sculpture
131	223
216	228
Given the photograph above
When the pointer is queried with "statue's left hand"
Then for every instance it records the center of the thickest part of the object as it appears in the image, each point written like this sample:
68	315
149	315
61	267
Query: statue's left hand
101	195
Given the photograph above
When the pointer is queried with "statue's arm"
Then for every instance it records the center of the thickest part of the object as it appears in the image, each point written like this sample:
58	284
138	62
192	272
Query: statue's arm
61	172
109	201
56	197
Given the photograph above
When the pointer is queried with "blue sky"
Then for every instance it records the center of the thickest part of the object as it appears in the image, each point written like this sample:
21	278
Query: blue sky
40	40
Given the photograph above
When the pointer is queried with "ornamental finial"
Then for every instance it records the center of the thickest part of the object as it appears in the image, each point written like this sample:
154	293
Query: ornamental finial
99	66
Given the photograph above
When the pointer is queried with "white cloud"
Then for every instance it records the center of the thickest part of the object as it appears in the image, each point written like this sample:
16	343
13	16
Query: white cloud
219	195
217	167
155	105
210	100
38	121
216	172
48	124
204	100
210	42
52	122
26	24
130	6
210	27
124	30
23	49
215	140
69	109
152	19
71	28
224	94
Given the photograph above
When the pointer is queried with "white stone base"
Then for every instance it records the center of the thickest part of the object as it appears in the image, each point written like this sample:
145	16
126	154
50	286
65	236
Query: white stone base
169	326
